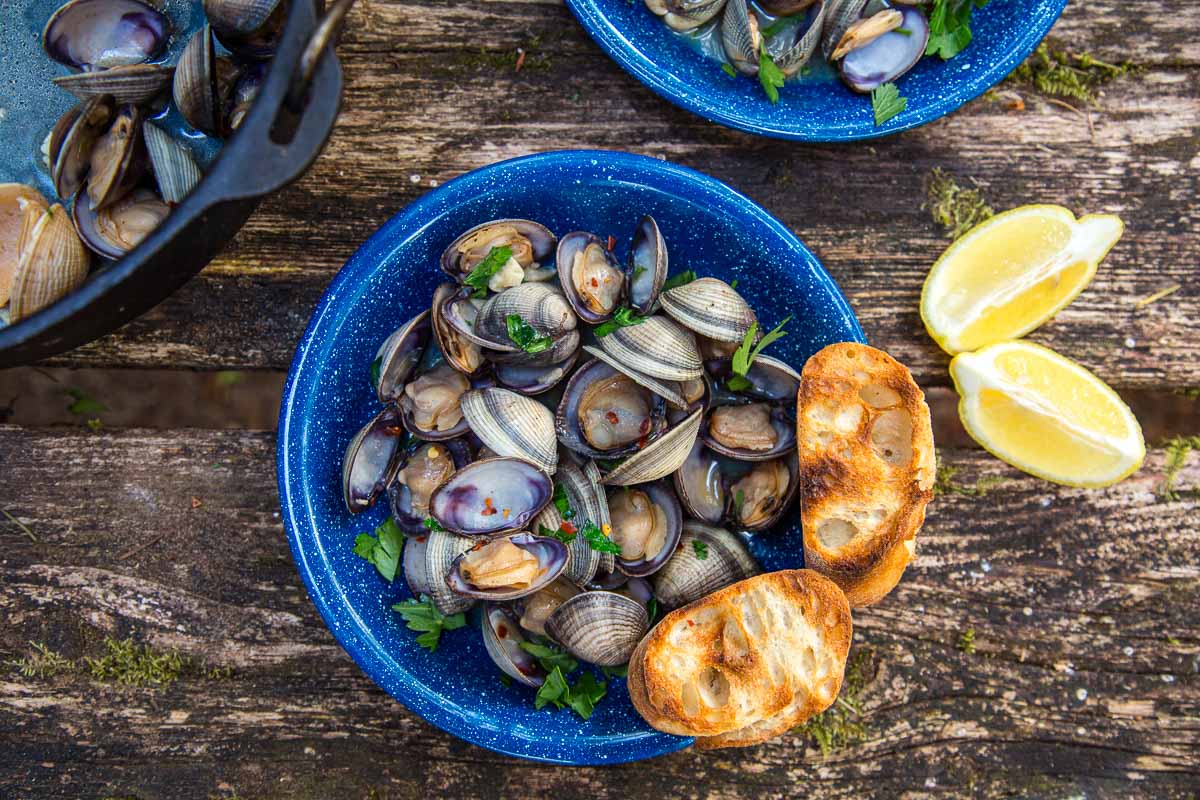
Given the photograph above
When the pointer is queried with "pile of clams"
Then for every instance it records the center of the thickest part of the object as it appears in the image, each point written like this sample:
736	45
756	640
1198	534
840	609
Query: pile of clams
869	42
552	391
110	158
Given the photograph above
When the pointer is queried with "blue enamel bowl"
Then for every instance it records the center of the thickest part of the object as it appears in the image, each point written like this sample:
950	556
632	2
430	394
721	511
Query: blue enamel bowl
818	108
709	228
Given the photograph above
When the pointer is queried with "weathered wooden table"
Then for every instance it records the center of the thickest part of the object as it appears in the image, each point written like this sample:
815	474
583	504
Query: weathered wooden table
1081	679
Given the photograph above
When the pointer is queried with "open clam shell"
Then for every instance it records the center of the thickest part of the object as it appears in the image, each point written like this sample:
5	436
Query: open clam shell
588	503
459	311
423	468
711	308
659	458
250	28
602	628
202	84
724	424
175	171
760	497
794	51
491	497
52	263
687	576
535	608
647	521
534	380
115	230
118	159
541	305
550	554
73	139
600	404
513	425
431	403
671	391
591	278
371	459
700	485
646	271
840	16
657	347
686	15
741	37
502	638
99	34
530	243
138	84
462	352
889	56
20	207
427	560
770	379
399	356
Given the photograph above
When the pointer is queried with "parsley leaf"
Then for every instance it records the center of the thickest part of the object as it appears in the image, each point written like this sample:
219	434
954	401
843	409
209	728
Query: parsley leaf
747	351
950	26
700	548
623	317
432	524
729	70
561	534
769	75
886	102
681	279
382	549
637	273
562	503
84	404
478	278
738	499
423	616
505	679
598	540
619	671
733	284
375	369
776	26
550	657
553	690
652	609
584	695
525	336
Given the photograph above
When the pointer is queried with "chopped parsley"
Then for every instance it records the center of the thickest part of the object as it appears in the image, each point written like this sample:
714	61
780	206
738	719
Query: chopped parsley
551	657
562	534
682	279
598	540
776	26
769	75
886	102
433	525
950	26
375	370
525	336
561	503
637	273
700	548
581	698
423	616
747	351
505	678
738	499
733	284
382	549
478	278
83	404
619	671
729	70
623	317
652	609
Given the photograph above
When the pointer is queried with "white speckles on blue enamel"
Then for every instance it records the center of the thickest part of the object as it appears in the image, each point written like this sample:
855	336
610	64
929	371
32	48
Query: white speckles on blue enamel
1006	31
708	227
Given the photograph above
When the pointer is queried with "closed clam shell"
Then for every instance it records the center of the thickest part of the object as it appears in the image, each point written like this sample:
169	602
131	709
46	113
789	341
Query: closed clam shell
136	83
600	627
196	88
512	425
607	560
371	459
686	577
711	308
72	142
53	262
657	347
427	561
551	555
541	305
20	205
174	169
659	458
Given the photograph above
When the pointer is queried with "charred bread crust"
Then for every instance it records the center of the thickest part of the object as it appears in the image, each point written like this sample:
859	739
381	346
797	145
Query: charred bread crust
873	478
745	663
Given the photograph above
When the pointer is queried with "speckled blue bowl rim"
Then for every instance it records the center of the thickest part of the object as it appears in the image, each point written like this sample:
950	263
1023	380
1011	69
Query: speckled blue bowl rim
297	509
699	100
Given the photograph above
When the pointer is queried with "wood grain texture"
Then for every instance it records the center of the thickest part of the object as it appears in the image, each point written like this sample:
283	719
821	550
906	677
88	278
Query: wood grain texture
1084	681
432	92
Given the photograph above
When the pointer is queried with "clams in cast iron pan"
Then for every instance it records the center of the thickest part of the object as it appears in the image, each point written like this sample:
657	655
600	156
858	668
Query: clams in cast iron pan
279	137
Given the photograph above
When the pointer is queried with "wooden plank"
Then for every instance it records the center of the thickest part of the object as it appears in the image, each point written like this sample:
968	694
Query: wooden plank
424	104
1083	681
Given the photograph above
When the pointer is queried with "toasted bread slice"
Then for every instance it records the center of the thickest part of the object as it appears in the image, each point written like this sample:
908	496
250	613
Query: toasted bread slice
745	663
867	464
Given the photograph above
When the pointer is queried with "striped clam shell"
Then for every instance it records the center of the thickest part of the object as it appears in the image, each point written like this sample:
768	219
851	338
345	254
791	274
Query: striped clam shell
659	458
686	577
175	170
136	83
599	627
53	263
657	347
511	424
711	308
427	561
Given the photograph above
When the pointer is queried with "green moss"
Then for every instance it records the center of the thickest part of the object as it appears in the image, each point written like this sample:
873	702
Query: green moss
956	209
42	662
1178	450
966	642
131	664
1062	73
945	483
501	60
841	724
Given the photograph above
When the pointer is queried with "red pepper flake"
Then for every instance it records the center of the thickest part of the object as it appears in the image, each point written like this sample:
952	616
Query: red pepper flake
501	631
595	283
612	417
421	538
488	508
611	243
691	624
568	528
644	428
520	58
393	430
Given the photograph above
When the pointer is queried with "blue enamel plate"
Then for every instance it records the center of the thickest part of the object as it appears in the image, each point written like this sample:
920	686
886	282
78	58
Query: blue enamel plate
709	228
819	107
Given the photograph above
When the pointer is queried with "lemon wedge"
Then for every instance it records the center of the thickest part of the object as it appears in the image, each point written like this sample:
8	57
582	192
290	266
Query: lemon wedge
1011	273
1046	415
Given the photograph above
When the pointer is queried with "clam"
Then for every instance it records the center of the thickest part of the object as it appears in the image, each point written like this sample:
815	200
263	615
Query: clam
370	460
508	567
531	245
460	310
502	638
532	380
688	575
99	34
588	504
52	262
250	28
700	485
600	627
561	349
659	458
535	608
398	356
671	391
73	139
759	498
245	91
202	84
750	431
427	561
770	379
656	347
865	30
684	15
113	231
460	351
174	169
792	49
647	268
711	308
592	472
136	84
889	55
646	524
591	278
431	403
17	203
542	306
512	425
609	581
491	497
741	37
118	159
604	413
422	470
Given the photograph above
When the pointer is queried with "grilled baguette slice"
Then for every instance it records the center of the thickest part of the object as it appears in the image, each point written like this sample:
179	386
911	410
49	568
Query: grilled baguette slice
745	663
867	465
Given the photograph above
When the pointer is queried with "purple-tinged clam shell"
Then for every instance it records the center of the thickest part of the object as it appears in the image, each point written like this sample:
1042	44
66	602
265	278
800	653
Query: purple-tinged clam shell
400	495
427	560
644	515
639	589
607	581
601	404
888	57
748	419
370	460
529	241
535	380
591	278
98	34
770	379
502	637
398	356
461	352
700	485
551	556
491	497
459	312
647	269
